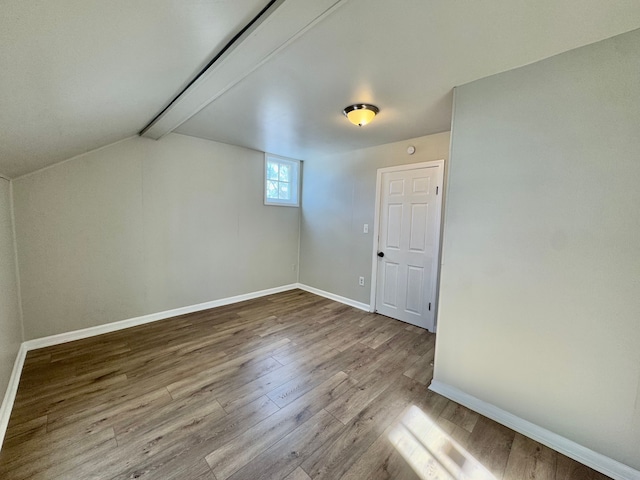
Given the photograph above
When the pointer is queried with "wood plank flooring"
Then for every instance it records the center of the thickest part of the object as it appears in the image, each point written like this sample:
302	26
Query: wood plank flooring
291	386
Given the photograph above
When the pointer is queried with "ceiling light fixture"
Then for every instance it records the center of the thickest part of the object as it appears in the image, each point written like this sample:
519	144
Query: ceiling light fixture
360	113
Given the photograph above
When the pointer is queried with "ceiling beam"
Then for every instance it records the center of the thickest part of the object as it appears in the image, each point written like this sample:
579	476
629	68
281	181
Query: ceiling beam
280	25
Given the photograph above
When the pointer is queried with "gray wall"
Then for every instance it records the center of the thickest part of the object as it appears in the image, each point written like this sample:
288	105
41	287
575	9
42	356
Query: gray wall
540	290
143	226
338	198
10	327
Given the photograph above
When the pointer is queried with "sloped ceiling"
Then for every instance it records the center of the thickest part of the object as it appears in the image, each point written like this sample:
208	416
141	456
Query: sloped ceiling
78	74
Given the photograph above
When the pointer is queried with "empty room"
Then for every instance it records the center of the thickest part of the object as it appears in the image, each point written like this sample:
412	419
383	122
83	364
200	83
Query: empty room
320	239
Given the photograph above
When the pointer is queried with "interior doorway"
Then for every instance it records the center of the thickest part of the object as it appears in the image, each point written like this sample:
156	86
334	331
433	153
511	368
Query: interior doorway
407	242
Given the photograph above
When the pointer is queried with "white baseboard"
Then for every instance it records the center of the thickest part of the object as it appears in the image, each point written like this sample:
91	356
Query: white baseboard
12	390
333	296
153	317
595	460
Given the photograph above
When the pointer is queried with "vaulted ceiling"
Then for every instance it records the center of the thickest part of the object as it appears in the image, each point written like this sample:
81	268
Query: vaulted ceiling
76	75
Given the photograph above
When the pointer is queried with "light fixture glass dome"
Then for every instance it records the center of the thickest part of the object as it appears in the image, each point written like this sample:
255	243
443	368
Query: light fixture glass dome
361	113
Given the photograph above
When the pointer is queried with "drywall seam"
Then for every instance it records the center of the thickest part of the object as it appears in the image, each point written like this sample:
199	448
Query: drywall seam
584	455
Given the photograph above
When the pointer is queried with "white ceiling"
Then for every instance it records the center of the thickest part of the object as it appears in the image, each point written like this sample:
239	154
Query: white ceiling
78	74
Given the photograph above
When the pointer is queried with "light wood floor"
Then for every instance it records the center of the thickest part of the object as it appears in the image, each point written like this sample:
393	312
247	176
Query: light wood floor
288	386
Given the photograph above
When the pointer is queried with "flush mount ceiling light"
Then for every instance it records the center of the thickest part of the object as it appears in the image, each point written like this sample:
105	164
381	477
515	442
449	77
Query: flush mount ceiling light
360	113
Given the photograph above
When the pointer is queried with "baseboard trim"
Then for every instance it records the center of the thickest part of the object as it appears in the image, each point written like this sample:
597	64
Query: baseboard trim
153	317
12	388
334	297
10	393
595	460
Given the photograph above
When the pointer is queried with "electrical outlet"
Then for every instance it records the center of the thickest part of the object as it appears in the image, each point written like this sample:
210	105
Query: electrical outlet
361	281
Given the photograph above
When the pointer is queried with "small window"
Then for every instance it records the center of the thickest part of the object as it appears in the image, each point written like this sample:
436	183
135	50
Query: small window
281	181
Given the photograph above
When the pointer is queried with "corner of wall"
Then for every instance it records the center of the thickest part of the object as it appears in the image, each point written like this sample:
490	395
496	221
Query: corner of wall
8	400
299	232
15	254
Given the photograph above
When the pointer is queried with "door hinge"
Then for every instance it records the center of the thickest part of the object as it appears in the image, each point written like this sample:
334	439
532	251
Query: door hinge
437	188
429	306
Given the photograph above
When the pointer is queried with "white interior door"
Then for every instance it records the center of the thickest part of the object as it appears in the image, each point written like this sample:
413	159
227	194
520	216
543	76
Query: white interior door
409	202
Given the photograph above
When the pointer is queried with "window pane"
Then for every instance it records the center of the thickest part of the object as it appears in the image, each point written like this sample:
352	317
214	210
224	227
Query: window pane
285	192
282	177
285	173
272	189
272	170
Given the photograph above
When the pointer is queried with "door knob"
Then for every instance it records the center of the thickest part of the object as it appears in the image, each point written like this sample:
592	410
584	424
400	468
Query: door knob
381	254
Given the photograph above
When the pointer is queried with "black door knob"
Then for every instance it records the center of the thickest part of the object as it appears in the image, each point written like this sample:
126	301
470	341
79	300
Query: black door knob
381	254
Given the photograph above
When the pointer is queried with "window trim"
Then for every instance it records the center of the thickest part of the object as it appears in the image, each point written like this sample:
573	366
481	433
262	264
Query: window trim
297	170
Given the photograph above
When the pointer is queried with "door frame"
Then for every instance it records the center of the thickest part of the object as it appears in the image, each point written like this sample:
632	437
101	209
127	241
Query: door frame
376	231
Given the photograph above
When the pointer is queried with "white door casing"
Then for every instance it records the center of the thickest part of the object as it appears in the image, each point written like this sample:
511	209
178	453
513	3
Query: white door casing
407	233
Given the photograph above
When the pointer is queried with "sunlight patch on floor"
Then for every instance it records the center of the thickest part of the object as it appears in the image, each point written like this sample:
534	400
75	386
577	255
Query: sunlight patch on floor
430	452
